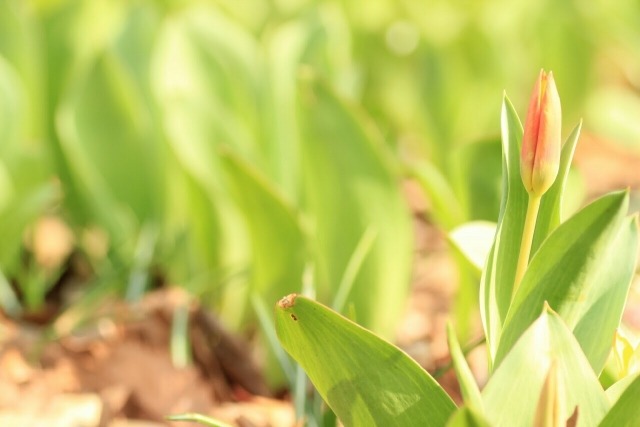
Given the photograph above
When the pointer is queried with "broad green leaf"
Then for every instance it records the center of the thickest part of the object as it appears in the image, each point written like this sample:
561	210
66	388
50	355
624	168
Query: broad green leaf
107	135
351	186
618	388
278	252
474	240
467	417
26	189
25	186
468	385
277	243
107	141
19	45
512	393
193	221
79	38
497	280
626	411
479	179
11	109
445	206
206	77
550	213
583	270
364	379
283	51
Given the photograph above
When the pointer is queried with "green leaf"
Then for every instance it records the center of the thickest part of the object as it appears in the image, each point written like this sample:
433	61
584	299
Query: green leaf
11	108
498	276
618	388
445	206
278	251
550	214
365	380
468	385
512	393
474	240
467	417
583	270
284	48
351	185
626	411
106	136
206	75
479	179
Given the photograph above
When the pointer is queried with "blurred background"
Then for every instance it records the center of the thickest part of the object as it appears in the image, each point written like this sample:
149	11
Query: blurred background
243	150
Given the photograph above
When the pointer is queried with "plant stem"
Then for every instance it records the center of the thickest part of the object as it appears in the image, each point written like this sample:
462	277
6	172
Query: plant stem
527	239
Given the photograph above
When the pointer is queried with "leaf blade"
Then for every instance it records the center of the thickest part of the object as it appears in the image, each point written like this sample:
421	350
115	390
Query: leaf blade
626	411
365	380
511	395
583	270
352	184
468	385
498	276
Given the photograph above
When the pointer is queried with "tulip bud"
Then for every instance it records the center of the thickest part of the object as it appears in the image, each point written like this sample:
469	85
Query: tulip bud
540	155
549	412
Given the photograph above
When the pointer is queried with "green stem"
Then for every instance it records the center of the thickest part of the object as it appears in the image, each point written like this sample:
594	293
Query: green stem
527	240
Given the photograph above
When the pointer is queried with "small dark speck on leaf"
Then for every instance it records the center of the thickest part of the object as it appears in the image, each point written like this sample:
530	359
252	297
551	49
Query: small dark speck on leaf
294	317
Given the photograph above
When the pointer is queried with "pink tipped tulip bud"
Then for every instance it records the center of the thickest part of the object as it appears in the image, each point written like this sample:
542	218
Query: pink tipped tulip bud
540	156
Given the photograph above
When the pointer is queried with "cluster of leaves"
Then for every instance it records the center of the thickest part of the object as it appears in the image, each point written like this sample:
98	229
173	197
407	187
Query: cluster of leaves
548	340
183	135
188	138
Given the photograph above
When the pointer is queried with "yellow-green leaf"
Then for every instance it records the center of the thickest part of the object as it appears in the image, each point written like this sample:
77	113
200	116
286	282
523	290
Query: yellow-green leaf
365	380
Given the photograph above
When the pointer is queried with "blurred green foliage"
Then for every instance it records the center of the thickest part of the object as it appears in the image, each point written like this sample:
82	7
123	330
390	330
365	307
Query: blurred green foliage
236	145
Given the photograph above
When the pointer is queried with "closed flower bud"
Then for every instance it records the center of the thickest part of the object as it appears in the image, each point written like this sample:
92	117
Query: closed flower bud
541	143
550	410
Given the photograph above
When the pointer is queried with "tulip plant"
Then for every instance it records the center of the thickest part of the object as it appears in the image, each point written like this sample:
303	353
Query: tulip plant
552	294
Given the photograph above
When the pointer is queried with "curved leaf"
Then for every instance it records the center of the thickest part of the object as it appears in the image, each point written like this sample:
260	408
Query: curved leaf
468	386
583	270
467	417
351	186
474	240
478	179
550	215
498	276
512	393
626	411
618	388
446	209
365	380
274	232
